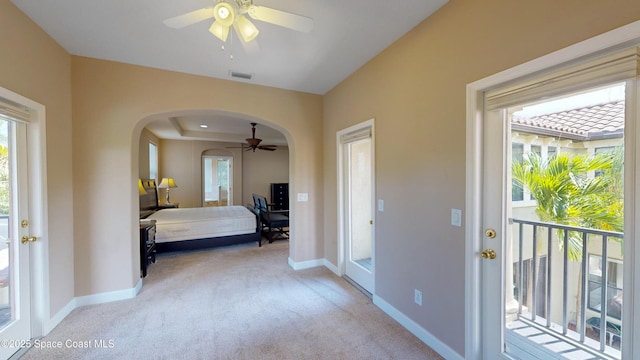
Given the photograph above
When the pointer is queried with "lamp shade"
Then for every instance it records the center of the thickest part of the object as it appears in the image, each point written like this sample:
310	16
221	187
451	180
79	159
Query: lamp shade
245	28
224	14
219	31
141	189
167	183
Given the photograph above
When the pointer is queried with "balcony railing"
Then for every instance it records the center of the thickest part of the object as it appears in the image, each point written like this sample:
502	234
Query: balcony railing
559	327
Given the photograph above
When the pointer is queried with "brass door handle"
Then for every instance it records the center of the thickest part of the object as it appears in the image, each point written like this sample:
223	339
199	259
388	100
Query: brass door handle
488	254
26	239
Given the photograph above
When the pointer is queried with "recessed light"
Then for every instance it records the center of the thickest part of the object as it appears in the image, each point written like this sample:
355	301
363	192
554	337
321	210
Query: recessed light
204	126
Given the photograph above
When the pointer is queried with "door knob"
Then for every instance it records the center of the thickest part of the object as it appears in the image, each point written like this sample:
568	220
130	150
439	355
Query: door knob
489	254
26	239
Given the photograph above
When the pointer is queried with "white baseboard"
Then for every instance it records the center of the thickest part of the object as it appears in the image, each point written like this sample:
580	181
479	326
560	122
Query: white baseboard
441	348
332	267
58	317
314	263
89	300
109	296
305	264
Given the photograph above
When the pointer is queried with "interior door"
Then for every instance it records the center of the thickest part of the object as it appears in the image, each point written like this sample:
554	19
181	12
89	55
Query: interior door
15	306
359	230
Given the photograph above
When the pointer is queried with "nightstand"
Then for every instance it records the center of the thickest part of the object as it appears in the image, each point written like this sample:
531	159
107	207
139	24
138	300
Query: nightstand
147	245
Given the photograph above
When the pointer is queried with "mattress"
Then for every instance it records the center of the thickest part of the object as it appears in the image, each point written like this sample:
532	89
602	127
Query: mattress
201	223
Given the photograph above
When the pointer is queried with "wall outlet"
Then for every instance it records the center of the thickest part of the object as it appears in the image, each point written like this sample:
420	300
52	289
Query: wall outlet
417	297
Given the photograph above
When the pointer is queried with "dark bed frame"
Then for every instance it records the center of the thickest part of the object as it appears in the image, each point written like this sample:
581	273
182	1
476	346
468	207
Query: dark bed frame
149	205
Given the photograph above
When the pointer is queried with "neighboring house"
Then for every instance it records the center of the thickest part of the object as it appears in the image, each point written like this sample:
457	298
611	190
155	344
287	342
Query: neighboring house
590	129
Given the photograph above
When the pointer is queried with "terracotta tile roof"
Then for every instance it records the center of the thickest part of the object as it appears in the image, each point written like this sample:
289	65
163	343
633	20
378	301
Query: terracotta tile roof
588	123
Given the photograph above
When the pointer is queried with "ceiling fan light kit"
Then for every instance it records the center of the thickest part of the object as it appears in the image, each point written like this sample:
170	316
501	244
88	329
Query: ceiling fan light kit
224	14
219	31
245	28
229	14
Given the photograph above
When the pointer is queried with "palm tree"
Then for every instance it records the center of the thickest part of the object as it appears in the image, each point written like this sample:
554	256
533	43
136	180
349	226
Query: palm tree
567	193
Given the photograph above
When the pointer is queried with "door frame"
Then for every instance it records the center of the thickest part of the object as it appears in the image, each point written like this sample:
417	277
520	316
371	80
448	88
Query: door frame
41	323
619	38
227	157
341	196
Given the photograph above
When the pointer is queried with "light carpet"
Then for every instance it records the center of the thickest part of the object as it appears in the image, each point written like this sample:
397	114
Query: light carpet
235	302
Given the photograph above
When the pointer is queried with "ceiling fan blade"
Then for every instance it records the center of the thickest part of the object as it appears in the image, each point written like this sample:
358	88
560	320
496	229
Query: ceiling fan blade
189	18
268	147
281	18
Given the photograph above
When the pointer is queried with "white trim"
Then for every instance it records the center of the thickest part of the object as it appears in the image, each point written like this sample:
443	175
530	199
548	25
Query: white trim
334	269
433	342
77	302
38	204
306	264
109	296
619	38
59	316
342	137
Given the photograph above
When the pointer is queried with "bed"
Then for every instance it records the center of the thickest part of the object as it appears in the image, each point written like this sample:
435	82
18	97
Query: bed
196	228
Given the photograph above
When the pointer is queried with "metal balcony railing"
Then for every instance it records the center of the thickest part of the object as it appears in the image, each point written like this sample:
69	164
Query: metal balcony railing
598	348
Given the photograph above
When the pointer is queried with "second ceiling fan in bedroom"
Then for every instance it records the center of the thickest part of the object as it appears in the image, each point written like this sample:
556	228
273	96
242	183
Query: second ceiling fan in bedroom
231	14
253	143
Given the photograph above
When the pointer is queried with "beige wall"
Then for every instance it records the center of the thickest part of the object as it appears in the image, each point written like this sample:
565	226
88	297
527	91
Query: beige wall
36	67
261	168
182	160
415	90
112	104
143	165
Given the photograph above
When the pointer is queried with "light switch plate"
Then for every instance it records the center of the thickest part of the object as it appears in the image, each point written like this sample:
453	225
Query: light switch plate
303	197
380	205
456	217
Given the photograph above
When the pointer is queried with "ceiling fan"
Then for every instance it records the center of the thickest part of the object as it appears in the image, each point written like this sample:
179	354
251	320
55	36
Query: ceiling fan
253	143
231	13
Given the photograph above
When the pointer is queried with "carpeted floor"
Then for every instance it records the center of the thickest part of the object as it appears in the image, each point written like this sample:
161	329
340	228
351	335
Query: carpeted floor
237	302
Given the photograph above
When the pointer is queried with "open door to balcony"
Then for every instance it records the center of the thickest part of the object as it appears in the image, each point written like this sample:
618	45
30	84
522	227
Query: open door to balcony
553	210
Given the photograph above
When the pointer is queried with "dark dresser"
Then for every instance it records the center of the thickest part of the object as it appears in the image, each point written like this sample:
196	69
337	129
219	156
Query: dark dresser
280	196
147	245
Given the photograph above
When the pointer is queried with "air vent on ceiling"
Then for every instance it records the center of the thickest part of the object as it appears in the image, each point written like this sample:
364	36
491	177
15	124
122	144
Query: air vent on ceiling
240	75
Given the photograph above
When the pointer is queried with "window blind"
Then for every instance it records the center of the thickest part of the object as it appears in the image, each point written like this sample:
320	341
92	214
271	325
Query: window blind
13	111
356	135
605	70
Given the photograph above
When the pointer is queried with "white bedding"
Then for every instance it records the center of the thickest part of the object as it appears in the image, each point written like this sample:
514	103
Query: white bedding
200	223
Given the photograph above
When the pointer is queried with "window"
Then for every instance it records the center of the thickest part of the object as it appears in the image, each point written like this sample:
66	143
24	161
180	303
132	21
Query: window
153	161
536	149
517	192
603	150
551	151
614	286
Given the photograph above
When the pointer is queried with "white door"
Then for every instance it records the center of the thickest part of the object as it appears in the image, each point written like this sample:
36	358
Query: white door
357	204
15	306
493	216
534	303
